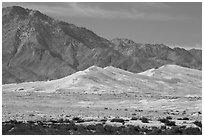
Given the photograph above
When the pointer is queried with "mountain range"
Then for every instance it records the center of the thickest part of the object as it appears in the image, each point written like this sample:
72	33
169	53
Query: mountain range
36	47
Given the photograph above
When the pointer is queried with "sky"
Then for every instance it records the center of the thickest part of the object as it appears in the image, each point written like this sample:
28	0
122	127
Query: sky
173	24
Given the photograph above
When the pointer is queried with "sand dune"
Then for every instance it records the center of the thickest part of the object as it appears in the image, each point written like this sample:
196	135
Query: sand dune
165	80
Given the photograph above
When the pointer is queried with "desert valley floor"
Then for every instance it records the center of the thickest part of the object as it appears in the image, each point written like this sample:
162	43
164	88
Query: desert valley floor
171	92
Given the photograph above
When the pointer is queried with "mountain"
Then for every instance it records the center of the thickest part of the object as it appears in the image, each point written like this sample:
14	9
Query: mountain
37	47
158	54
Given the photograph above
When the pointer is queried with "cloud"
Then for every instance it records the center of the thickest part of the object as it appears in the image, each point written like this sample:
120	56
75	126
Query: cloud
82	10
199	46
90	10
157	5
142	10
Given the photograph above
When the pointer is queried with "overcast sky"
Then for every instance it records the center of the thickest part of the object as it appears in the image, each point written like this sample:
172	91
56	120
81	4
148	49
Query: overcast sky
178	24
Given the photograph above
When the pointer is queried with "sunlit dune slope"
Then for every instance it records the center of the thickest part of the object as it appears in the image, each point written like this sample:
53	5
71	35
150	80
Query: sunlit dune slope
166	80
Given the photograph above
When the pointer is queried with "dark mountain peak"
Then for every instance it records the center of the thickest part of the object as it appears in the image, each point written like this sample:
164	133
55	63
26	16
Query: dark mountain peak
193	49
36	13
125	40
14	11
179	49
23	13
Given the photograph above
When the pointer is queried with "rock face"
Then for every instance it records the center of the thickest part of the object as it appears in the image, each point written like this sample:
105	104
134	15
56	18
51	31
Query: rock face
37	47
158	54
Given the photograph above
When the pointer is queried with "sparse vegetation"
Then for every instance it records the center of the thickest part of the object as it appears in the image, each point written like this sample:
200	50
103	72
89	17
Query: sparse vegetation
198	123
167	122
185	118
103	120
31	115
134	118
120	120
169	117
43	128
179	118
78	119
75	118
144	120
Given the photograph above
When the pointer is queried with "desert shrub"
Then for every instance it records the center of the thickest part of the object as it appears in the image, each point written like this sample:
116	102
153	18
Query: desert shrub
53	121
169	117
144	120
124	131
170	123
198	123
120	120
167	122
39	122
103	120
66	121
14	121
163	127
174	131
184	112
109	129
100	129
179	118
61	120
80	121
134	118
155	131
126	109
192	131
23	129
6	128
75	118
162	120
185	118
81	129
91	127
130	130
31	115
71	125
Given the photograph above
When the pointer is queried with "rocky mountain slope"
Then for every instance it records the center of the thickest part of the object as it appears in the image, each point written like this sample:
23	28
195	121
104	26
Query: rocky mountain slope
37	47
157	54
